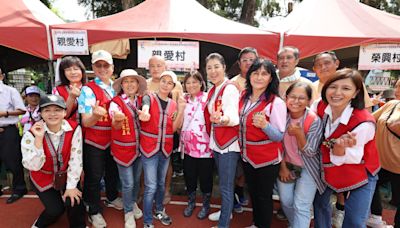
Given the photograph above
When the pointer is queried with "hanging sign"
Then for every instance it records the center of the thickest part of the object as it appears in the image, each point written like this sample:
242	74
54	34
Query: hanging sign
179	55
379	57
70	42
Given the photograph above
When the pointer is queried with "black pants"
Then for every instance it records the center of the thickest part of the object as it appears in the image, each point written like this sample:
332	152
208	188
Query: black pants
54	208
96	164
394	179
198	168
11	157
260	183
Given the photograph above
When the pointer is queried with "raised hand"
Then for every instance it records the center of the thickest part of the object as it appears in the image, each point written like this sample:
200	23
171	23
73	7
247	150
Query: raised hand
98	110
181	104
215	117
38	129
143	115
345	140
74	91
260	120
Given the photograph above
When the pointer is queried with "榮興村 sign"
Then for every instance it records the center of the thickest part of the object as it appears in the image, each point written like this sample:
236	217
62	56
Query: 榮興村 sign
70	42
179	55
379	57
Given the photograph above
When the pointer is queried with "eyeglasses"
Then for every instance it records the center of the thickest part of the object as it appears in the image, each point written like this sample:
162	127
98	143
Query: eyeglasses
247	60
99	65
294	98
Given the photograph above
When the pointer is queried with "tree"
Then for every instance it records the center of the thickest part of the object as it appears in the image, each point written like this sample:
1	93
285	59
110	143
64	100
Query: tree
102	8
47	3
391	6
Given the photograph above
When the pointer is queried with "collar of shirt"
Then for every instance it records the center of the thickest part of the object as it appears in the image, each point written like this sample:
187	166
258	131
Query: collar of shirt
126	99
346	114
29	108
104	86
295	76
65	126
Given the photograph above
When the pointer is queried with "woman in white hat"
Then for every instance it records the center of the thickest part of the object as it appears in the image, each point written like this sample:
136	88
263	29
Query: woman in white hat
156	142
124	113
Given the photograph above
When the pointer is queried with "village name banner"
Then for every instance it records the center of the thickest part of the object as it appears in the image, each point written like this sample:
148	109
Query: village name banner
179	55
70	42
379	57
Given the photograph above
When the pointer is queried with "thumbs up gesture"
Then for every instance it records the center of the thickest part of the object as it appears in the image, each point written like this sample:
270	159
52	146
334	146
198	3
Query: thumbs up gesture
118	116
294	129
98	110
143	115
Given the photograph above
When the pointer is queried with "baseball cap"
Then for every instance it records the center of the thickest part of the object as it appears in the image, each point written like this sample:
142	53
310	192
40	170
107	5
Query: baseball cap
50	99
31	90
171	74
102	55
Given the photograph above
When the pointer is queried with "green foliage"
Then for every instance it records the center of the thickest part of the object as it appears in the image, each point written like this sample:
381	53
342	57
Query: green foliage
47	3
391	6
102	8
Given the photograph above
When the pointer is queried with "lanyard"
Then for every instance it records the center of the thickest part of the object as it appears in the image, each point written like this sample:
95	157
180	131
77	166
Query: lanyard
56	154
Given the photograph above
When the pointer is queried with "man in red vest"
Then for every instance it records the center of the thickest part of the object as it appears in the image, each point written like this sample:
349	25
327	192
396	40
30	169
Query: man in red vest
93	104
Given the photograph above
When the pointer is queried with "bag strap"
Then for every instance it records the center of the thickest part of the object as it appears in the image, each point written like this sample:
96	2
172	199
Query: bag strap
391	112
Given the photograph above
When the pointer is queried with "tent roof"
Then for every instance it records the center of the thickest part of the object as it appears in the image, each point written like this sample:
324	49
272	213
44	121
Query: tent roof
319	25
23	26
185	19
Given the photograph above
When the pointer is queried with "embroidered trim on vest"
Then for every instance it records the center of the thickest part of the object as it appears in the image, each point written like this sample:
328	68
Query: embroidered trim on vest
124	143
89	142
102	128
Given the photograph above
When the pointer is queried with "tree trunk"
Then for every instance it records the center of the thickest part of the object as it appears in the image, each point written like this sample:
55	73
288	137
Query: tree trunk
126	4
248	12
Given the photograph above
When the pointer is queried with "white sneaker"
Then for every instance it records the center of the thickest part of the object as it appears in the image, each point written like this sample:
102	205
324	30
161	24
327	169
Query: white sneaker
97	220
117	203
136	211
337	218
130	220
215	216
375	221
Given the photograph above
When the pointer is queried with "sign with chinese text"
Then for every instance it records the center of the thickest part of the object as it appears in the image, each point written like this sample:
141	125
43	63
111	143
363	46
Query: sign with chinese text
379	57
179	55
70	42
378	80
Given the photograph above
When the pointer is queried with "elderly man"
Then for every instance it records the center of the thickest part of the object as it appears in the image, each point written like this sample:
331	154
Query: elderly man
288	58
11	106
246	58
93	103
157	65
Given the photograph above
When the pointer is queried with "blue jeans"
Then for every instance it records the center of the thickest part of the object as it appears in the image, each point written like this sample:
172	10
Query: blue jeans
130	181
155	169
226	165
356	207
297	199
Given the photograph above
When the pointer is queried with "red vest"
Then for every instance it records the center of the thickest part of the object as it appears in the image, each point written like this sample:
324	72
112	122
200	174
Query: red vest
44	178
123	141
99	135
157	133
223	136
256	147
63	91
349	176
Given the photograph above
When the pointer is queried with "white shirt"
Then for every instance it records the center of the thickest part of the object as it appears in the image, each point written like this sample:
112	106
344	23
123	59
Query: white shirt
230	108
10	101
365	132
34	158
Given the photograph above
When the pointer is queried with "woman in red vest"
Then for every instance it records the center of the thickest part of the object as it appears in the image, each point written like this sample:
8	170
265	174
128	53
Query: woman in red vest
72	77
156	141
222	119
350	159
299	175
262	116
123	111
52	152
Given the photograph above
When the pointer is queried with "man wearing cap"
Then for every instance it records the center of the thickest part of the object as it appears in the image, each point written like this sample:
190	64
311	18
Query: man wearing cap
11	106
32	97
157	65
93	104
125	113
52	152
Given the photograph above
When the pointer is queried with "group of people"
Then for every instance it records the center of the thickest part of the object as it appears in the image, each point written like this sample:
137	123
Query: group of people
266	128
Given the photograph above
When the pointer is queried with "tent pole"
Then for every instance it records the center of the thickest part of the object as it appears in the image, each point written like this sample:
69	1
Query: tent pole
50	61
282	37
